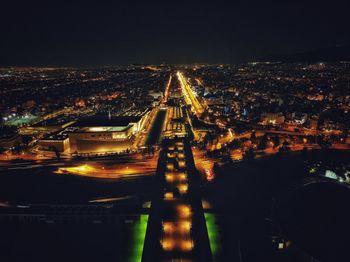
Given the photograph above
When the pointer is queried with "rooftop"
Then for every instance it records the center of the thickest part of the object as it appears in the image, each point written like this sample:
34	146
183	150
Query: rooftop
60	135
58	120
105	121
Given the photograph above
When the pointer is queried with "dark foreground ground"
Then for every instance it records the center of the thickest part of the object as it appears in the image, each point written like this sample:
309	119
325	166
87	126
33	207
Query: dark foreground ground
255	203
66	225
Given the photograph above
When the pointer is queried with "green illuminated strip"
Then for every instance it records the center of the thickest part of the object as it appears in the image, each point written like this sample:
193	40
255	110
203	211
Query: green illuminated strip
139	234
212	233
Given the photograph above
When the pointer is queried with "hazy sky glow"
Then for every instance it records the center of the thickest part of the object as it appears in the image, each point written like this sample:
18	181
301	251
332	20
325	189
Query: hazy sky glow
118	32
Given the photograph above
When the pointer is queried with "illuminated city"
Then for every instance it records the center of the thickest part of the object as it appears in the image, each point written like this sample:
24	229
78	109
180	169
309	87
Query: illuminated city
121	149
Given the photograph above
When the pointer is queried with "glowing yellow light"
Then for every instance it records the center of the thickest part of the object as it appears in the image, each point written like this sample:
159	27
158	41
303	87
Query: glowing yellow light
169	228
189	95
237	155
206	204
83	168
168	244
169	196
209	174
78	170
181	155
230	132
170	166
183	188
169	177
173	176
184	211
184	227
186	245
166	92
182	177
182	164
177	229
116	171
127	170
97	129
171	155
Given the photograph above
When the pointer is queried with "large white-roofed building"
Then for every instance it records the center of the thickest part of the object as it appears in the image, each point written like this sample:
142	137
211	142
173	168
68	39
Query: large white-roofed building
102	134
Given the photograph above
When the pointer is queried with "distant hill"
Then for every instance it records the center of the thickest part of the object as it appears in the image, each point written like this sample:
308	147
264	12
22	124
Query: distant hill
329	54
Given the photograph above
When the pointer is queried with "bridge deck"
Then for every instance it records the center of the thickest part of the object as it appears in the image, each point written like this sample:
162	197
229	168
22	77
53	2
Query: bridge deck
177	229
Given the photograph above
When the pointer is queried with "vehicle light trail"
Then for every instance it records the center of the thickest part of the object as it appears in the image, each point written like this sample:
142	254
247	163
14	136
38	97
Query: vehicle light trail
166	92
116	171
189	96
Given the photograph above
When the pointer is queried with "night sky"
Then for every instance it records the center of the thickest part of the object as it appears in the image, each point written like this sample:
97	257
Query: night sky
116	32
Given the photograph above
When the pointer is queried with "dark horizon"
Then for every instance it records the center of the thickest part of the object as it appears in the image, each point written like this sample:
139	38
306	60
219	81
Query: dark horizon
337	53
107	34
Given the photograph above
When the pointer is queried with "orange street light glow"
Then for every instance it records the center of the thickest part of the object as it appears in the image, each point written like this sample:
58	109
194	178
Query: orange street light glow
181	155
171	155
186	245
169	227
184	211
182	177
168	244
170	166
183	188
178	228
184	226
83	169
182	164
169	196
171	177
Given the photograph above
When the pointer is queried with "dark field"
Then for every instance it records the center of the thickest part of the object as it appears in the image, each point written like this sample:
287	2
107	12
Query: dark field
246	196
